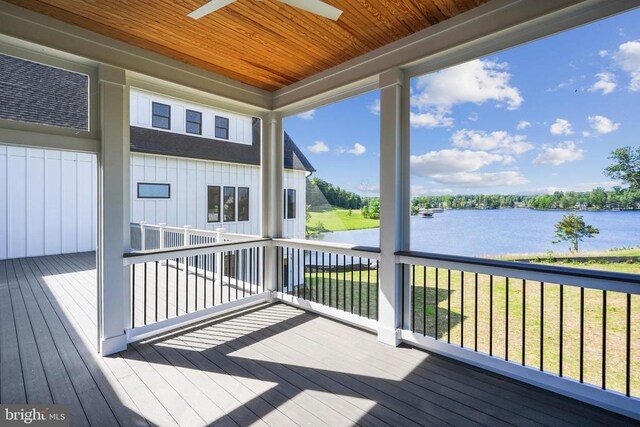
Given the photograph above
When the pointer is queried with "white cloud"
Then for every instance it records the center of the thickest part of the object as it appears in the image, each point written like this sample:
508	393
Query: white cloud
369	188
375	107
357	149
603	53
482	179
523	124
606	83
559	154
318	147
476	81
561	127
421	190
307	115
449	161
628	59
430	120
500	141
602	124
473	116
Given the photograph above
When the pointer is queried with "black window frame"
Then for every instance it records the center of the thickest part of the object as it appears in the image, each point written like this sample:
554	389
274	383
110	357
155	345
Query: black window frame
216	127
219	203
224	204
290	213
187	122
154	184
154	115
238	201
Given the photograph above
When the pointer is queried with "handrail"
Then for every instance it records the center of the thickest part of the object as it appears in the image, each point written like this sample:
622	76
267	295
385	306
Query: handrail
139	257
337	248
594	279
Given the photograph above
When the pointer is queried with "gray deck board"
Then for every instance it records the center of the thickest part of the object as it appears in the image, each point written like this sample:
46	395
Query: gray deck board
273	365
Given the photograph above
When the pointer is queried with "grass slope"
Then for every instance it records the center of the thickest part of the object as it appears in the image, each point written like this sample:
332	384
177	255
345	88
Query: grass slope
340	220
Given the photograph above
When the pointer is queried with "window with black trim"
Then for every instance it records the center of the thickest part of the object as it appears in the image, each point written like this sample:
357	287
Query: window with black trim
229	204
222	127
161	115
194	122
148	190
243	203
289	203
213	203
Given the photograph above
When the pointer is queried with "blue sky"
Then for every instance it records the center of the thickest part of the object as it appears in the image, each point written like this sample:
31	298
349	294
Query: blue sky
533	119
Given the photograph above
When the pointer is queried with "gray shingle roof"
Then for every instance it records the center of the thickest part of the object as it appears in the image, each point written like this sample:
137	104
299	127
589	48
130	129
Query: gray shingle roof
37	93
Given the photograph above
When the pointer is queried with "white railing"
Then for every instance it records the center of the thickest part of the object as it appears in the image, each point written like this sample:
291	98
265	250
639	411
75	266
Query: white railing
145	236
565	329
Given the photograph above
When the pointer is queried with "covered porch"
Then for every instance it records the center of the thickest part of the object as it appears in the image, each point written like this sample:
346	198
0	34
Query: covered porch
273	364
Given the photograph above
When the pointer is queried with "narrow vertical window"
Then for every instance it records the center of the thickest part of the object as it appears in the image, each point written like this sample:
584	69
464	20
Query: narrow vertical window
229	206
161	116
290	204
243	203
222	127
213	203
194	122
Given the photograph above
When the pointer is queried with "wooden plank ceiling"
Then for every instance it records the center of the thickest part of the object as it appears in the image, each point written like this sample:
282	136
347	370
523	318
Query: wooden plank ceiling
266	44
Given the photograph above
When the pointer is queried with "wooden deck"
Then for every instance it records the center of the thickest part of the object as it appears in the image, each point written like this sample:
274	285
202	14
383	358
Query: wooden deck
273	365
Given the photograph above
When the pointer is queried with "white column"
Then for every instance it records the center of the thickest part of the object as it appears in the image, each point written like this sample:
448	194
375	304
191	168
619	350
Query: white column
272	198
394	200
113	222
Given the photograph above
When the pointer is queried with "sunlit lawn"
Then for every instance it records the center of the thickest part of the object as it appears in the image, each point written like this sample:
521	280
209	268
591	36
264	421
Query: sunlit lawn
343	295
341	219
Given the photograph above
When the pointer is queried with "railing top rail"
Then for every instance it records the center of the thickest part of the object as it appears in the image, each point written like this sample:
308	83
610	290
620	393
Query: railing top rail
340	248
517	269
138	257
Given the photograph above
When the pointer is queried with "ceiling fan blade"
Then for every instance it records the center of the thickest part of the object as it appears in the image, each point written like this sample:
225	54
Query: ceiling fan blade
209	7
315	6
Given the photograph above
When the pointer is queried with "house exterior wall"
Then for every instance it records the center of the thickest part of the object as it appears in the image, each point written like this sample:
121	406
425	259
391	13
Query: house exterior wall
189	179
48	202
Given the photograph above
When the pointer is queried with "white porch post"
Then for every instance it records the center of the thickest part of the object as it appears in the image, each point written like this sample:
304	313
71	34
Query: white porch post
394	200
272	199
113	211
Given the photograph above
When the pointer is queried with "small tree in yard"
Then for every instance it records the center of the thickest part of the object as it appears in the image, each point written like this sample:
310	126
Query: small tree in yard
572	228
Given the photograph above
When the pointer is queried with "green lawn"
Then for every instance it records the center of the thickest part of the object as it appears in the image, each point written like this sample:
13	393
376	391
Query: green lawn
458	325
339	220
621	252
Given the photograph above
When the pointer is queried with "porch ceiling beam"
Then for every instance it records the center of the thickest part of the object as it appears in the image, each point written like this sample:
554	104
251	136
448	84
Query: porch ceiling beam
42	30
491	27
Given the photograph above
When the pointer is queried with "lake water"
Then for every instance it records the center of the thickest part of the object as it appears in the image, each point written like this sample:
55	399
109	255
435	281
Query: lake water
492	232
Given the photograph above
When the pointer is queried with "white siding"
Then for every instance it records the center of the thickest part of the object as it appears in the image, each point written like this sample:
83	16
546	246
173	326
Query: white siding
47	202
189	179
240	127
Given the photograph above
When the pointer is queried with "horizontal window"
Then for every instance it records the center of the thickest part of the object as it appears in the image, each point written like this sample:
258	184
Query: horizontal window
161	116
153	191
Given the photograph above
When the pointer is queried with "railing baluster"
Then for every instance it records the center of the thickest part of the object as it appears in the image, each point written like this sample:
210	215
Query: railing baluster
524	323
329	280
344	282
461	308
166	290
542	326
323	280
424	301
368	288
604	340
296	266
561	338
376	288
156	294
317	285
436	305
491	315
177	281
229	277
448	306
145	295
475	315
133	296
352	285
237	271
628	379
581	334
196	280
359	286
413	296
506	320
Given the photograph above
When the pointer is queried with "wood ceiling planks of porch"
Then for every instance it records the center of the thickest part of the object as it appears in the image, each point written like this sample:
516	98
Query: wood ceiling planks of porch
272	365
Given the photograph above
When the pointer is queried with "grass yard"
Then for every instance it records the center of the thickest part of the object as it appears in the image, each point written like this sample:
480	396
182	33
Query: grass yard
357	293
340	220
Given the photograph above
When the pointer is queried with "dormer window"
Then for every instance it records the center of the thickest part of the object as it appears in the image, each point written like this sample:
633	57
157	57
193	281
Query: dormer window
161	116
222	127
194	122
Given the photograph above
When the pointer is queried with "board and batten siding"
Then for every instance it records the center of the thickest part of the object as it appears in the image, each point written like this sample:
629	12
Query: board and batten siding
240	127
48	202
189	179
